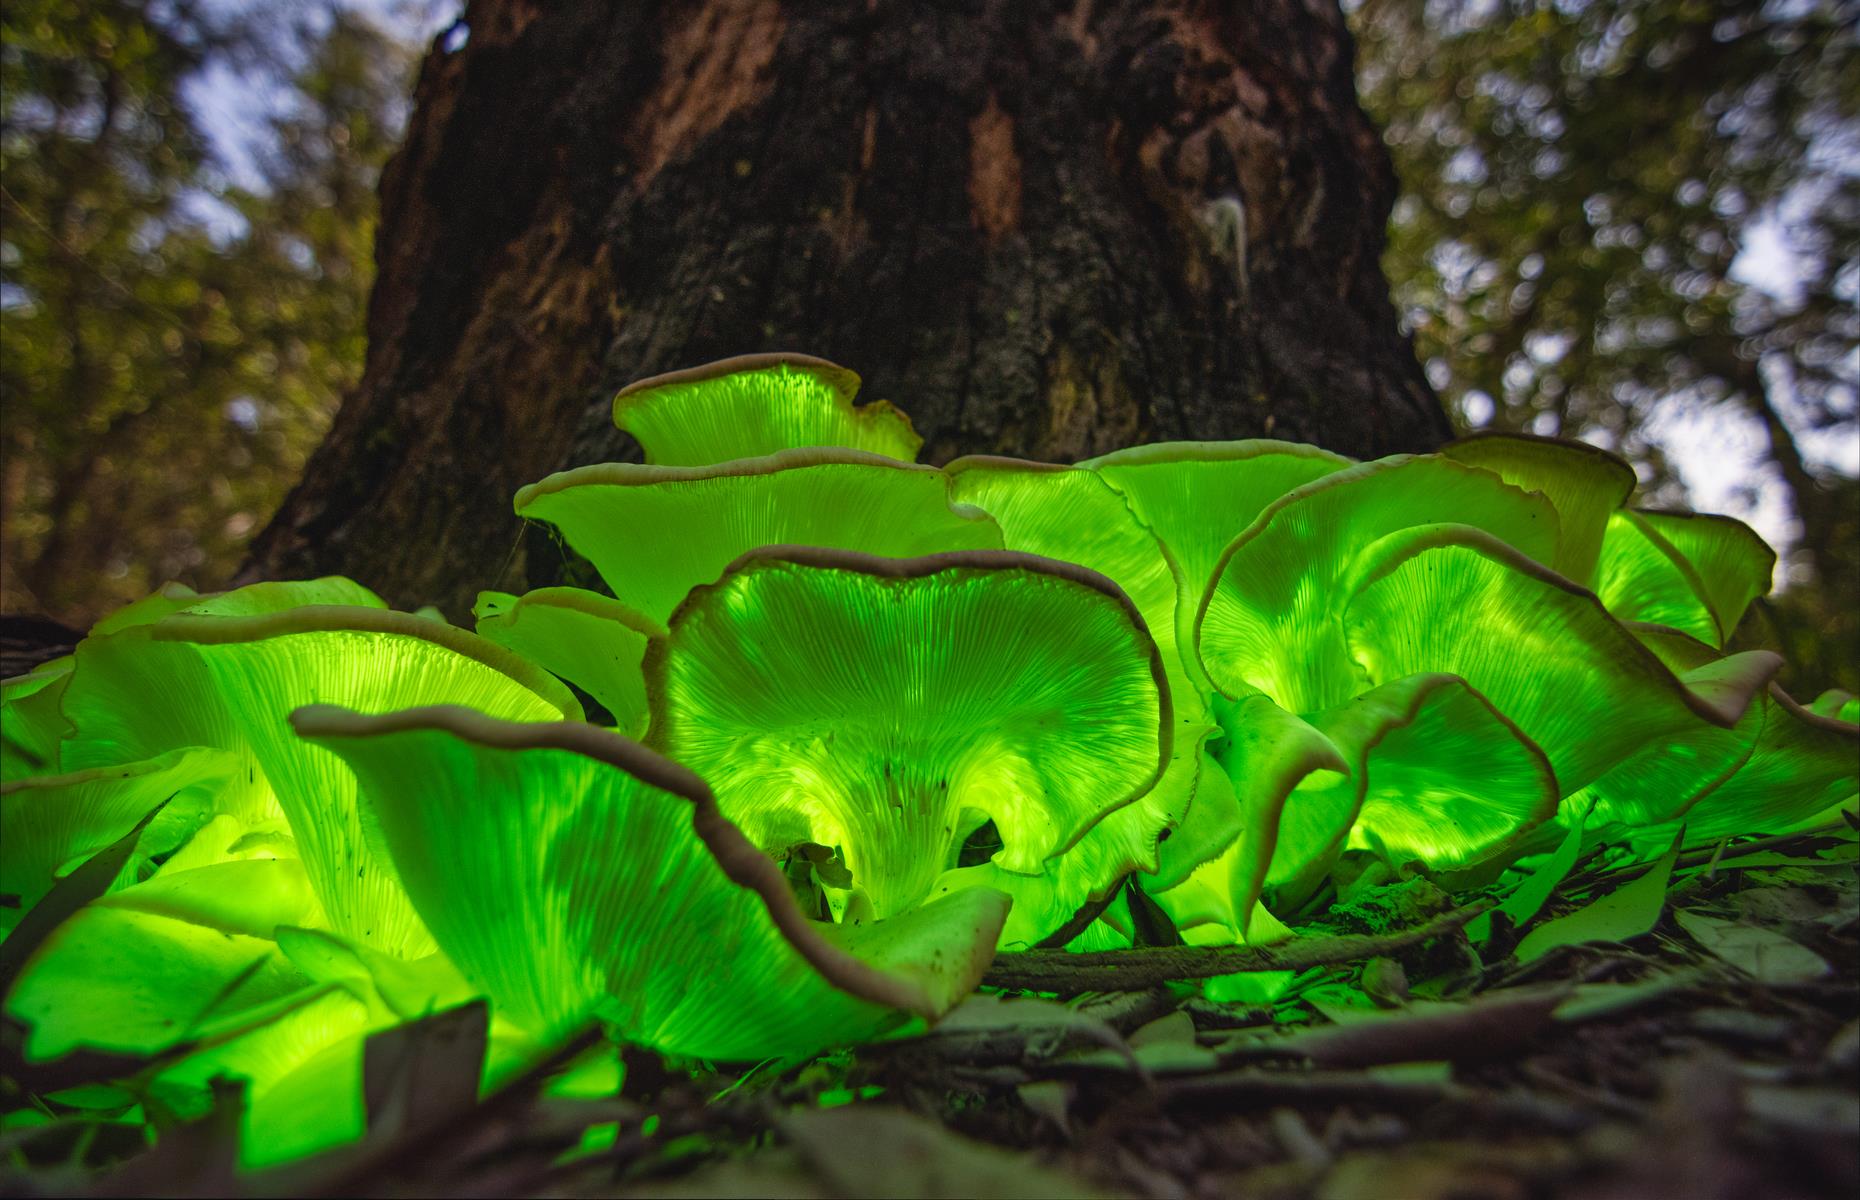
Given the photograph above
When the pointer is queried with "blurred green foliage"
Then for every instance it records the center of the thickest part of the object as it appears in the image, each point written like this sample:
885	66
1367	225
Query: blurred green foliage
166	374
1578	180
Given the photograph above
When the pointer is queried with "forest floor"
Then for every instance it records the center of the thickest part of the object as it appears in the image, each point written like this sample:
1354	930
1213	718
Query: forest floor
1684	1028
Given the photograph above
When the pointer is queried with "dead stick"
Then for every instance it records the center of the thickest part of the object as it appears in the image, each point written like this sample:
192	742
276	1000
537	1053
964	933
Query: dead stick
1132	970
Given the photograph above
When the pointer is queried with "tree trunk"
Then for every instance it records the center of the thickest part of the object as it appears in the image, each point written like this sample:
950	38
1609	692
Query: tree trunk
1042	230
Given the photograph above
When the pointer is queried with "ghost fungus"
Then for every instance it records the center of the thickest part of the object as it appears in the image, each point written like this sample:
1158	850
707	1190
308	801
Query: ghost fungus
50	823
227	683
592	641
1269	619
1584	483
1780	767
150	967
757	404
30	725
1542	650
654	533
1195	496
1693	572
1074	515
506	836
886	706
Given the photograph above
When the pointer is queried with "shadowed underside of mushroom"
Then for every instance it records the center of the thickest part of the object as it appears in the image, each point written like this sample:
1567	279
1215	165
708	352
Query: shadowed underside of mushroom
889	706
592	641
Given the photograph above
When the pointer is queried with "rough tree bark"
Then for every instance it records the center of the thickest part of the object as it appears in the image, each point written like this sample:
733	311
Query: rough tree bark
1043	229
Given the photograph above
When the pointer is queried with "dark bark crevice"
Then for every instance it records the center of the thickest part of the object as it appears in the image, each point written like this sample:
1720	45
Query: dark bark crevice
998	213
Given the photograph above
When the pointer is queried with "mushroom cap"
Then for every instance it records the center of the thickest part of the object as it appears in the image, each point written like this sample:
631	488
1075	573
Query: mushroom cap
1542	649
228	682
654	533
868	703
1695	572
1268	620
593	641
1073	514
506	836
756	404
1195	496
1584	483
1780	767
51	823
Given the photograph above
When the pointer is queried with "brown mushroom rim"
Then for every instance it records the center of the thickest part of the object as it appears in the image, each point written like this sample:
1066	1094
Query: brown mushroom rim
580	600
208	630
822	558
1002	462
843	381
1164	453
1794	707
745	865
648	475
1618	465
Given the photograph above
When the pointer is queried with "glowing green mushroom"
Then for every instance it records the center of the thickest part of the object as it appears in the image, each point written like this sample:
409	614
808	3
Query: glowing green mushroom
1780	767
571	873
1268	621
654	533
1694	572
1196	496
888	706
594	642
1074	515
1584	483
51	823
30	725
1799	772
149	967
226	682
757	404
1541	649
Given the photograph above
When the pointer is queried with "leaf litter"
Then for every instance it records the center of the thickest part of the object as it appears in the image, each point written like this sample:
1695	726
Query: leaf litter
1596	1026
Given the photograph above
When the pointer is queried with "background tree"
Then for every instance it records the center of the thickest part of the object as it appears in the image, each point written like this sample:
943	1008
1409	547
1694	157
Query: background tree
173	345
1579	180
1044	229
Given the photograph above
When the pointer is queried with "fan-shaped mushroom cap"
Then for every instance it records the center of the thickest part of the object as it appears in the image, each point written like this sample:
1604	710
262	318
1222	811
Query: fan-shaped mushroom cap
1695	572
51	823
1584	483
228	682
593	641
1801	769
757	404
1541	649
30	724
868	703
1074	515
1196	496
1780	767
654	533
1269	618
507	835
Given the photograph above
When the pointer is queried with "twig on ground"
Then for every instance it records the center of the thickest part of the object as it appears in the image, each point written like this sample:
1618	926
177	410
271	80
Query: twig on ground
1132	970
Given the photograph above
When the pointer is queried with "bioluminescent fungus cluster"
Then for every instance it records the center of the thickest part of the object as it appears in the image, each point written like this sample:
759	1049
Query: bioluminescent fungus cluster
863	722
